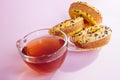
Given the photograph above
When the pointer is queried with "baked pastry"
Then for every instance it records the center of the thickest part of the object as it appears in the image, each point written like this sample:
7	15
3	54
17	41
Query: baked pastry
90	14
70	27
84	15
92	37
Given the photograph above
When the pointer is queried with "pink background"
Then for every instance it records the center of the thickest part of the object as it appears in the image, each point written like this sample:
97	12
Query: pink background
19	17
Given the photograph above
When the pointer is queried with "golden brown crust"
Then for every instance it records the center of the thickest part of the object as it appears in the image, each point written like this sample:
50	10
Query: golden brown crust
95	44
88	9
93	37
74	27
69	29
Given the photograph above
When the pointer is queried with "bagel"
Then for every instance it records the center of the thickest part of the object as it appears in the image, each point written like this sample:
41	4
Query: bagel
69	27
92	37
90	14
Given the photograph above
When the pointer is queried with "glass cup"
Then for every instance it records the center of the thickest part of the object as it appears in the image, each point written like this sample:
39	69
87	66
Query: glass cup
47	61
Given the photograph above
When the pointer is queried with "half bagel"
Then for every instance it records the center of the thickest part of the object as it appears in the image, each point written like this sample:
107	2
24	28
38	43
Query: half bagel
90	14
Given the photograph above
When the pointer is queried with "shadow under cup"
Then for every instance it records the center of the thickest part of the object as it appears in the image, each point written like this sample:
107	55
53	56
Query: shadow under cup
44	64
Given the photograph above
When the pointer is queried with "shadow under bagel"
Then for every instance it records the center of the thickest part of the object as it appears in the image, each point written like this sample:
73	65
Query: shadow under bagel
78	60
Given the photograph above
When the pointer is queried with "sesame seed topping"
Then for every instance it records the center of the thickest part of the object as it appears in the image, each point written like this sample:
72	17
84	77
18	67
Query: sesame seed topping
96	35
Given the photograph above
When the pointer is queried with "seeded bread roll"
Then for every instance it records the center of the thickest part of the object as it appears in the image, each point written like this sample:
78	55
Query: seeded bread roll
93	37
90	14
70	27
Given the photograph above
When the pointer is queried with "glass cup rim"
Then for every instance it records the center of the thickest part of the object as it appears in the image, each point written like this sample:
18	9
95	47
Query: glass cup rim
34	57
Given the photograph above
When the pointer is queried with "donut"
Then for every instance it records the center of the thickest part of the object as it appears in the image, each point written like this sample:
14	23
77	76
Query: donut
92	37
90	14
70	27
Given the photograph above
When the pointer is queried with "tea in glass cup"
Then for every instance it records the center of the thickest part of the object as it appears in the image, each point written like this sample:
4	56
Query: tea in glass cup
43	52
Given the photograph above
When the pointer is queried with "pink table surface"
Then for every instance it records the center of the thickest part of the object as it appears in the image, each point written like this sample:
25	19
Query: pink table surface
19	17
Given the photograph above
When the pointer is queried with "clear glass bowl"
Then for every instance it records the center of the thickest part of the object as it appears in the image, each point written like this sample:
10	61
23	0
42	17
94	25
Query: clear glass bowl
45	64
